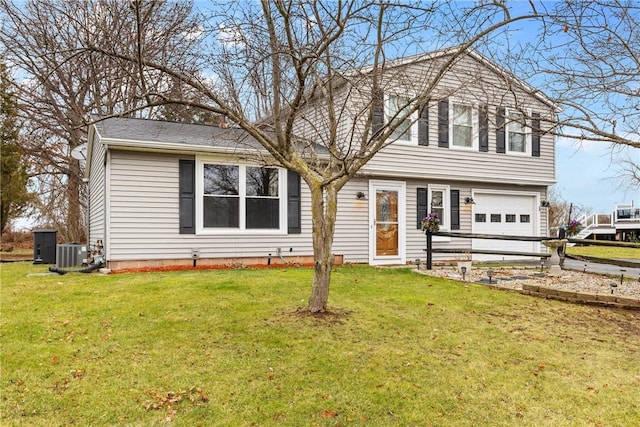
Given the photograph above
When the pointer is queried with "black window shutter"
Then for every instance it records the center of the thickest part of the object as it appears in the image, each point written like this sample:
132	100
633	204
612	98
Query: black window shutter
293	203
378	114
423	125
422	206
483	139
455	209
187	197
535	134
500	147
443	123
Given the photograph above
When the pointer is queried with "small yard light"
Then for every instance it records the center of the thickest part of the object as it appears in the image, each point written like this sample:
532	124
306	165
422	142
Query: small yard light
490	274
585	268
613	286
463	269
418	263
541	266
622	275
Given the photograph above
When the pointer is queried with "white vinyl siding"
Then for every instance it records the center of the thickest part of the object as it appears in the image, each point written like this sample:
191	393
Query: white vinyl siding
472	84
144	218
96	198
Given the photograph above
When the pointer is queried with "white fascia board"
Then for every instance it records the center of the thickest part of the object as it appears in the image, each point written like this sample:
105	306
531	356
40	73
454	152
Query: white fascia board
461	178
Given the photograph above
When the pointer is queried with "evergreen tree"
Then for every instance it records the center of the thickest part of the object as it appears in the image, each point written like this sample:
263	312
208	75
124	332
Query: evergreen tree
13	184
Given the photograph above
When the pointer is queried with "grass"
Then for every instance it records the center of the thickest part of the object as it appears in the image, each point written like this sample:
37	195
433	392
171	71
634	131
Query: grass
605	252
233	348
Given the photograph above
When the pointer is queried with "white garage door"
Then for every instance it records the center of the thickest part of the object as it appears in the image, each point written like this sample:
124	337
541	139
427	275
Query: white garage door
504	214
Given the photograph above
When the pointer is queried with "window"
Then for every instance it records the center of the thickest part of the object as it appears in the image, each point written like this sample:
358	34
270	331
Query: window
525	218
404	131
439	204
442	201
263	204
221	200
481	217
517	137
509	218
496	217
239	197
463	128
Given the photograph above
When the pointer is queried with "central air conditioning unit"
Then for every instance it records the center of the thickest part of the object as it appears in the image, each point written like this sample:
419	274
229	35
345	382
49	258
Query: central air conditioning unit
71	255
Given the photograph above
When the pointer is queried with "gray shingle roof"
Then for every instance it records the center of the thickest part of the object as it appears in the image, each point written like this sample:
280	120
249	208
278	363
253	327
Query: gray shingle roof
145	130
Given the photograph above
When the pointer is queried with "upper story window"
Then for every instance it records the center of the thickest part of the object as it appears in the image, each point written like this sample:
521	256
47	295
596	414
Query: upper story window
517	134
463	126
241	197
404	132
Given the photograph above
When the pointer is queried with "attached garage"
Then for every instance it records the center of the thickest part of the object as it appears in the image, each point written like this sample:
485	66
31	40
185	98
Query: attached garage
505	213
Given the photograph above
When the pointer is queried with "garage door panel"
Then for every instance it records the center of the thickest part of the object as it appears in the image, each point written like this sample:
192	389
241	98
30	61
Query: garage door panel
507	215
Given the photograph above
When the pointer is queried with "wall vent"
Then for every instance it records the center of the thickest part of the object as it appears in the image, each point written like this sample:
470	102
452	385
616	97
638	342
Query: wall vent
70	255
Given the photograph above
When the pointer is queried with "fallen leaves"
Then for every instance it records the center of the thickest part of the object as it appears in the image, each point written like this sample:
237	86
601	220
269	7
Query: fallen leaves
170	400
329	413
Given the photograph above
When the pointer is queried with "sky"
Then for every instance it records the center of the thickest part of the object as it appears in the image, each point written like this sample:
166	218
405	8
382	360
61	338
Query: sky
584	172
584	175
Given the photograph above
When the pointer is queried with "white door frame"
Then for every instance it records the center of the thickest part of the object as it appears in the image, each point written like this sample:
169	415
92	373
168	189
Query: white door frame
401	188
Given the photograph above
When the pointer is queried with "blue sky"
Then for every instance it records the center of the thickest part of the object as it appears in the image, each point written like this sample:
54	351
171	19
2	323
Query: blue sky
584	175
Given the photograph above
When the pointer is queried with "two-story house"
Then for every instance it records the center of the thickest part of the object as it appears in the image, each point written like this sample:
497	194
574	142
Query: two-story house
478	155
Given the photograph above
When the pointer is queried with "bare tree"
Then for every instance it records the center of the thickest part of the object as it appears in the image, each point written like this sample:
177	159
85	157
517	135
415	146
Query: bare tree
586	55
61	86
14	194
305	79
628	173
562	211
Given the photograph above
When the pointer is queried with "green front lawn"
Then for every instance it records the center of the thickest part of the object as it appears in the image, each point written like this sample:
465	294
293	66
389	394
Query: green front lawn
231	348
605	252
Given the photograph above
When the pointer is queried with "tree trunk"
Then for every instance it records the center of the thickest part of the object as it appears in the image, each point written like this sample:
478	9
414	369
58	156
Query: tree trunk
324	204
74	224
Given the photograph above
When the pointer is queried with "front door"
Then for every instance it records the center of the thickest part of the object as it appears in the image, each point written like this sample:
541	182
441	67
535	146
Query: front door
387	222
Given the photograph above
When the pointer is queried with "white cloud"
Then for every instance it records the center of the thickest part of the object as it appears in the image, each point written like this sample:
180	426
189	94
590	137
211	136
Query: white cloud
231	35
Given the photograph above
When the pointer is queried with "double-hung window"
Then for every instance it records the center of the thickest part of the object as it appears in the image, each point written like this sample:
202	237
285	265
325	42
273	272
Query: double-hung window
241	197
221	201
517	135
464	126
404	131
